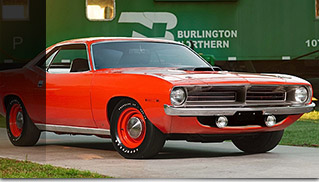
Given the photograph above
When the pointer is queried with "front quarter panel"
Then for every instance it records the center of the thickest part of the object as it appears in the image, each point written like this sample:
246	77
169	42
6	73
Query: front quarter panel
149	91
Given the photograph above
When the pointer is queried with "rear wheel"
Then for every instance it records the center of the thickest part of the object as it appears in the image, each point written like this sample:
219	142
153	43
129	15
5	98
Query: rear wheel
21	130
133	135
259	143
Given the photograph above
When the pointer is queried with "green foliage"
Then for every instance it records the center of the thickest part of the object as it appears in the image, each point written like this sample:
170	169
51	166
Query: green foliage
314	115
2	122
24	169
302	133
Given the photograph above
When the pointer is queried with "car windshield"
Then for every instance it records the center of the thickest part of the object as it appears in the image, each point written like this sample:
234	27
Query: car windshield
144	54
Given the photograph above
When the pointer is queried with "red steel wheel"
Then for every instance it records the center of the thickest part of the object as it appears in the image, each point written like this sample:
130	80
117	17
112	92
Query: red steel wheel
131	127
20	128
132	133
16	120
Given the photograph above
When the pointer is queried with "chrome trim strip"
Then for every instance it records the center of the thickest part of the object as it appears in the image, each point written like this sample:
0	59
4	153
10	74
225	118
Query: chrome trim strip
234	104
230	111
72	129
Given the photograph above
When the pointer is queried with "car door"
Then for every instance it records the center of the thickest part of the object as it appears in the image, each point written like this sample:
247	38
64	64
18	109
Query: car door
68	87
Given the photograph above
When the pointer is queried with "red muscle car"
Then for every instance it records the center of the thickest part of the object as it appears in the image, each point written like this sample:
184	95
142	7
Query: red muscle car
142	92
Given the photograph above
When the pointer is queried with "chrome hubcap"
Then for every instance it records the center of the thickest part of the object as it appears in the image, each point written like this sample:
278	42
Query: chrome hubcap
134	127
19	120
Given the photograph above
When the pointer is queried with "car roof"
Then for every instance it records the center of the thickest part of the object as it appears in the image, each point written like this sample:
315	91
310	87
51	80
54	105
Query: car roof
107	39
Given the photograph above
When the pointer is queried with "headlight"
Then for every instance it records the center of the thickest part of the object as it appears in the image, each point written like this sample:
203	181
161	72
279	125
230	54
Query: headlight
178	96
301	94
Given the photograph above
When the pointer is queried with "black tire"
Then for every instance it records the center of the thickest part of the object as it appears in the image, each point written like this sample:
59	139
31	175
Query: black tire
147	146
259	143
28	134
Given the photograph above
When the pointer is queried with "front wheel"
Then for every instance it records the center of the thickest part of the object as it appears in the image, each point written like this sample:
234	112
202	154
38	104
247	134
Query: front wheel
20	128
259	143
133	135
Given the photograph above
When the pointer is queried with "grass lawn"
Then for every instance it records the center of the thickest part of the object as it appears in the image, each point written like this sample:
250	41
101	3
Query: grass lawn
302	133
23	169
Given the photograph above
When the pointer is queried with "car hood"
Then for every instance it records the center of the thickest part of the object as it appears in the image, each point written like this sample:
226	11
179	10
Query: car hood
180	77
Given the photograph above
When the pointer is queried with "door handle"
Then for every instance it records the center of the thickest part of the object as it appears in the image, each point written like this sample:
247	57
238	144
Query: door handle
40	83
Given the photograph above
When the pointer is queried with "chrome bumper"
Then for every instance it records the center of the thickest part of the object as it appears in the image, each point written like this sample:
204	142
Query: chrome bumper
288	110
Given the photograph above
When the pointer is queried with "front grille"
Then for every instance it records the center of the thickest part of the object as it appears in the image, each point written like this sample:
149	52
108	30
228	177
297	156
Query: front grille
241	95
229	96
211	95
265	94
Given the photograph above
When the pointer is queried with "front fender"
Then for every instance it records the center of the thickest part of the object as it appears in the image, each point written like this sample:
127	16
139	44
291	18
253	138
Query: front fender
149	91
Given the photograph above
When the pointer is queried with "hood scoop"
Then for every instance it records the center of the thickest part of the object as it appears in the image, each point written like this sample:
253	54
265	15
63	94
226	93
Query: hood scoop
204	69
198	69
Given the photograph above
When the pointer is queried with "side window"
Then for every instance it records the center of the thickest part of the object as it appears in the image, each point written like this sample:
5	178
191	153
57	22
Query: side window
14	10
45	59
71	58
100	10
49	59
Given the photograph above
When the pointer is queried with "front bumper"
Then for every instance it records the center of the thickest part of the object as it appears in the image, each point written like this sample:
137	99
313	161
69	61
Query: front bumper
230	111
